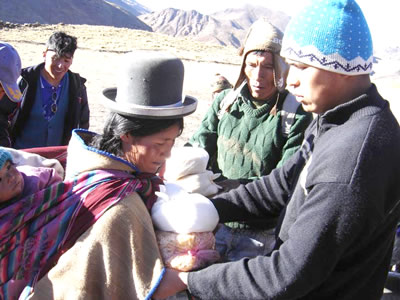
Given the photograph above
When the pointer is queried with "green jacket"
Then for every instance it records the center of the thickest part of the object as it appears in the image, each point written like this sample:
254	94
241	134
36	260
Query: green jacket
248	141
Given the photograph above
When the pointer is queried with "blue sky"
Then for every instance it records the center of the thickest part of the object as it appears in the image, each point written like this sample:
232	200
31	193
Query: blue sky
382	16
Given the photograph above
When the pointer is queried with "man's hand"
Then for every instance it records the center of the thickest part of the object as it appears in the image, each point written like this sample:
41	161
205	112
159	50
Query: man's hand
172	282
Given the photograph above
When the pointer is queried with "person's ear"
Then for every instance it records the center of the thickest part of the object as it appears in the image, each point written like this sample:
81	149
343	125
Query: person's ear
126	138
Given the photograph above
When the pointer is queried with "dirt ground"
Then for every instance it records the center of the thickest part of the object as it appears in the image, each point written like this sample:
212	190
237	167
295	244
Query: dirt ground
100	49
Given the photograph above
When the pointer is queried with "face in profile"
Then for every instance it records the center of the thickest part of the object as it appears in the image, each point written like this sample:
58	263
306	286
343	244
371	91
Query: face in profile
57	66
314	88
259	71
149	153
11	182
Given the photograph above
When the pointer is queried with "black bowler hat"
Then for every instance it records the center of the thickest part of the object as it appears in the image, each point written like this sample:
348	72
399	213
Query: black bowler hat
150	86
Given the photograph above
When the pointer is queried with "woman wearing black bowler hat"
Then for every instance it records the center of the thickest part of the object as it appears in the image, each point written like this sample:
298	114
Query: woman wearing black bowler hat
116	256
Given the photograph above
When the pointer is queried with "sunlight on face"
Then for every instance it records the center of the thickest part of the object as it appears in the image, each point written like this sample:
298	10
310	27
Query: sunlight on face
56	66
149	153
314	88
259	71
11	182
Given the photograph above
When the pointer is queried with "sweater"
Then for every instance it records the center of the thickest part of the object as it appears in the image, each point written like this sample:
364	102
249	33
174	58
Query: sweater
248	142
339	202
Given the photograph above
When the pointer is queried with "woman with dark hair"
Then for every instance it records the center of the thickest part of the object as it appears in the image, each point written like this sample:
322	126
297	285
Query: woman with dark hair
103	236
117	125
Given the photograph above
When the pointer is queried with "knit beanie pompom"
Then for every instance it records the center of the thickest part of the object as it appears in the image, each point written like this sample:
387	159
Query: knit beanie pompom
4	157
332	35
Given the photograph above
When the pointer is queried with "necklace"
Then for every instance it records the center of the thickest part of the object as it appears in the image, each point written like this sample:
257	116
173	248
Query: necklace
50	105
54	97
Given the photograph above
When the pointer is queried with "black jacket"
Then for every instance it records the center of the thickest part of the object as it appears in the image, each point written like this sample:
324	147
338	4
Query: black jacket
339	196
77	114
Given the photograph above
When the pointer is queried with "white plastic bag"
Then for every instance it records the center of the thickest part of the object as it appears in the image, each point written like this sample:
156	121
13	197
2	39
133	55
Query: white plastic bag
185	161
202	183
182	212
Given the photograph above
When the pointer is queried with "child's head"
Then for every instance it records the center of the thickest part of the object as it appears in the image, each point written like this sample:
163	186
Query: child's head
11	180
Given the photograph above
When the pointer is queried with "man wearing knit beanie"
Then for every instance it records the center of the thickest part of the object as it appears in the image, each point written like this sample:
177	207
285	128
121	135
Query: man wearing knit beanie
251	129
338	196
244	130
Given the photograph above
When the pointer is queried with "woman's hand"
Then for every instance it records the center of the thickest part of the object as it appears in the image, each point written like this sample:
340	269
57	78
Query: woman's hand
172	282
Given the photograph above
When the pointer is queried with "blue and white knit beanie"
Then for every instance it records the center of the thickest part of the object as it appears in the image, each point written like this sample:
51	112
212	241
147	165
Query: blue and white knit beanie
4	157
332	35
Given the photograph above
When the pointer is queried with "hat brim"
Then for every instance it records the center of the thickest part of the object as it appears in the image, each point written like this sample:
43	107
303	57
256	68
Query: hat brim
12	91
187	107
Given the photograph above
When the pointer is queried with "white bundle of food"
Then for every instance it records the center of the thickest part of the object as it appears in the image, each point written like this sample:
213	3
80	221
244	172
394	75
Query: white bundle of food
185	161
202	183
179	211
187	168
184	224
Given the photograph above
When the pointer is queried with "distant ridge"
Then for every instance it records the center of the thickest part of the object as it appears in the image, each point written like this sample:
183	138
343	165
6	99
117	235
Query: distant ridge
90	12
227	27
224	28
132	6
204	28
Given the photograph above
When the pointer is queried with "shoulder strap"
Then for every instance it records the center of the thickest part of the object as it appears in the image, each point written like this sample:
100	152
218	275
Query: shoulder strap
229	99
288	113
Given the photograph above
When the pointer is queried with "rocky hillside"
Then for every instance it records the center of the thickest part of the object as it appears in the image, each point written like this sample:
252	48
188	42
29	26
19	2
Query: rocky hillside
204	28
227	27
248	14
132	6
224	28
91	12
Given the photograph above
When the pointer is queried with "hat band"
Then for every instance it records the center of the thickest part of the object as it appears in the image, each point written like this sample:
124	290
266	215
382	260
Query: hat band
176	109
334	62
177	104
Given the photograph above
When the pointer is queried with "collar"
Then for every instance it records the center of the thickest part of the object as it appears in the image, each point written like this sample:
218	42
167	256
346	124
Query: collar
82	157
367	104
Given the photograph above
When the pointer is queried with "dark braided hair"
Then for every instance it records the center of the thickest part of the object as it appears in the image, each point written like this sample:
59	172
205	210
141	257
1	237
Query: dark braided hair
118	125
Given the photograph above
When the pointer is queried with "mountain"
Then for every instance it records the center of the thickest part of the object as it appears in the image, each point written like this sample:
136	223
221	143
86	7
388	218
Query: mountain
91	12
132	6
248	14
227	28
204	28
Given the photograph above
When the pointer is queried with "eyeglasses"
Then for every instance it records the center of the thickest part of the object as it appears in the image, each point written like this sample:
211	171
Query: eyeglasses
54	104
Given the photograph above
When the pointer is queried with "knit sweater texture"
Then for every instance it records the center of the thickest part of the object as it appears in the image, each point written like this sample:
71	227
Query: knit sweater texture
248	142
339	201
